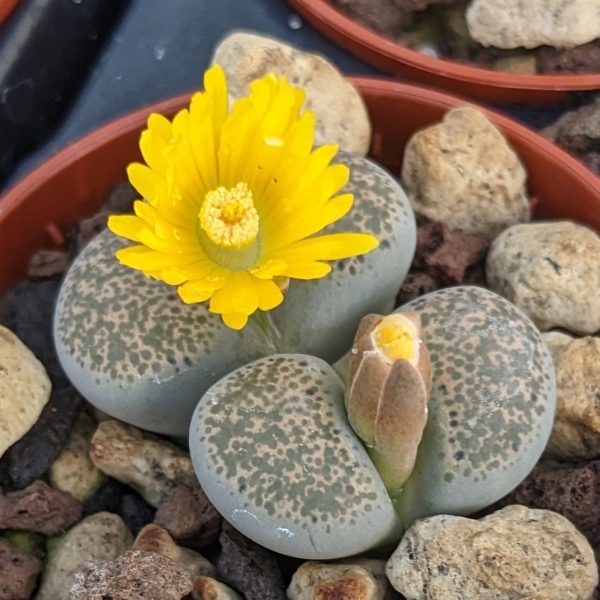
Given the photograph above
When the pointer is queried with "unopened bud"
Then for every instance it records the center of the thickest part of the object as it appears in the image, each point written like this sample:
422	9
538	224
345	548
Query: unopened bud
388	388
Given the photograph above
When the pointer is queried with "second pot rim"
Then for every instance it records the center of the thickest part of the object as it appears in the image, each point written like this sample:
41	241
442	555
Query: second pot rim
327	16
88	142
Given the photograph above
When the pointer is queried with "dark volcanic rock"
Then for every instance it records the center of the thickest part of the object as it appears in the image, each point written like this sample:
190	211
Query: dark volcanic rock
572	490
18	573
188	515
416	284
135	575
387	17
592	161
383	16
248	567
120	499
27	310
578	131
30	457
48	263
582	59
106	499
39	508
135	511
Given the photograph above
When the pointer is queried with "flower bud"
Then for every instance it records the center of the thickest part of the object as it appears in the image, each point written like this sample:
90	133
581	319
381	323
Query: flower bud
388	388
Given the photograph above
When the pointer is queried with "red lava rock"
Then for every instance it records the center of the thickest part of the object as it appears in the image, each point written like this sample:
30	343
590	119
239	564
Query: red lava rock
582	59
446	254
18	572
135	575
248	567
572	490
189	517
39	508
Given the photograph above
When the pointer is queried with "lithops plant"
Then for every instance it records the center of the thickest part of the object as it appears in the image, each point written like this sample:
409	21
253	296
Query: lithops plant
274	451
387	392
492	402
135	351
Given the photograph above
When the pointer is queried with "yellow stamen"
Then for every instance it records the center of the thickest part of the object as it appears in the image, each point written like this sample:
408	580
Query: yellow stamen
395	337
228	216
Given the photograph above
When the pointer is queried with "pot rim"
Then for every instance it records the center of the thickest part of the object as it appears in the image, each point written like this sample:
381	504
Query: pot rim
6	8
89	142
356	37
67	186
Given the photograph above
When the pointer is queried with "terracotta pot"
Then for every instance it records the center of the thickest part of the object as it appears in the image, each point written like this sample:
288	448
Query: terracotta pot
74	183
6	7
455	77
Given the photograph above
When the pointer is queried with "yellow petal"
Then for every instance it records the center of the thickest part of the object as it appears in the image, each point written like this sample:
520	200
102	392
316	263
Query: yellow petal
268	269
199	291
127	226
235	320
142	179
328	247
239	294
307	270
269	295
145	259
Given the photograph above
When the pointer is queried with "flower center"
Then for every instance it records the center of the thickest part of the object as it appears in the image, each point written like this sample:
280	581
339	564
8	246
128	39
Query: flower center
228	217
395	337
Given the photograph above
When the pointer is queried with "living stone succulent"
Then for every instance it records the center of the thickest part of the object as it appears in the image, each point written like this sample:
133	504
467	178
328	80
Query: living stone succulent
274	451
135	351
492	403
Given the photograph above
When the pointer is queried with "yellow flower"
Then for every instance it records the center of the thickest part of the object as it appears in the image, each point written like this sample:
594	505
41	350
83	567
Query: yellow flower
233	199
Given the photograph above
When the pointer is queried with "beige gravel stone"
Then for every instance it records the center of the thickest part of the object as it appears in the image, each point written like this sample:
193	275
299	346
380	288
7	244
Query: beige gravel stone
533	23
556	341
207	588
99	537
507	555
356	580
462	172
73	471
576	432
149	464
153	538
551	271
135	575
24	389
342	117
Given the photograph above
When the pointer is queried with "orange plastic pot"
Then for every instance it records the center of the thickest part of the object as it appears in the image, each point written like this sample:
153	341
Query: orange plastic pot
457	78
6	7
72	184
